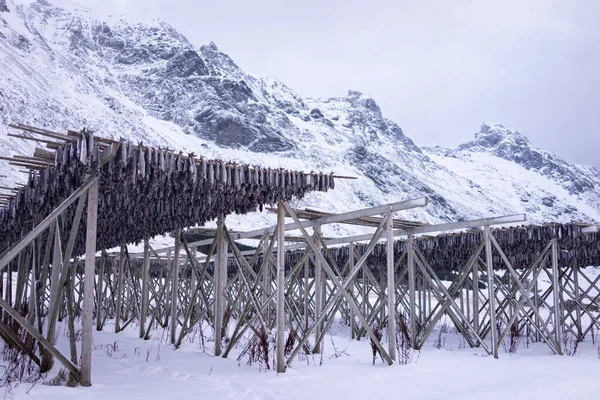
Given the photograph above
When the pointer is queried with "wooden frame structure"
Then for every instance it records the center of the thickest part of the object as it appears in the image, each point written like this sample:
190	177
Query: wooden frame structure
294	281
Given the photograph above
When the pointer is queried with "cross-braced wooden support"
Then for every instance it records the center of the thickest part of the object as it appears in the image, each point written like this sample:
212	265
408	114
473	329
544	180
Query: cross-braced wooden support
263	291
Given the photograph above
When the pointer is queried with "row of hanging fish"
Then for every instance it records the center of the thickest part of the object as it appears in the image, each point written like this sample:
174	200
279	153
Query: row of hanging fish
147	192
448	253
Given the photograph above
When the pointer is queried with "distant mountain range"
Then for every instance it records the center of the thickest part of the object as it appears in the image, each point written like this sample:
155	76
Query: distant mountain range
66	67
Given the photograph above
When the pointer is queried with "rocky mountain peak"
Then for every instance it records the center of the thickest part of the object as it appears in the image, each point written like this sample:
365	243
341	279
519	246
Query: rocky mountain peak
220	63
66	67
358	99
495	135
210	47
500	141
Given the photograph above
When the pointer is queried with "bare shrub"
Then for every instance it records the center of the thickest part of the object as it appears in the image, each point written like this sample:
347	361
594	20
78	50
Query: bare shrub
515	338
378	334
226	318
440	342
257	349
148	352
290	342
59	380
571	344
337	353
403	342
111	348
18	367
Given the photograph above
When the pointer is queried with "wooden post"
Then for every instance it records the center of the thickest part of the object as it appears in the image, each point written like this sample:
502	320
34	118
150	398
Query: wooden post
491	294
145	289
475	282
88	287
364	294
578	300
410	253
556	295
266	278
99	293
32	288
350	309
119	290
47	359
218	278
468	302
192	280
536	299
391	286
318	288
281	287
175	286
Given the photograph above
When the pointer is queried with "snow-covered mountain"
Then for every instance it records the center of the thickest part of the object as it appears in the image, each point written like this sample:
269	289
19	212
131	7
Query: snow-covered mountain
65	67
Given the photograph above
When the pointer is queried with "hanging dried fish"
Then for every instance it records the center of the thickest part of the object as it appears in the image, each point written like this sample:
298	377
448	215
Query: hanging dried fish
141	162
203	169
192	169
236	178
224	174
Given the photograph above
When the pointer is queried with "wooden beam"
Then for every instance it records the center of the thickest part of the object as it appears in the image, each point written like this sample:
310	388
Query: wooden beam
47	142
281	366
88	287
218	279
491	291
402	205
175	285
556	293
391	286
145	289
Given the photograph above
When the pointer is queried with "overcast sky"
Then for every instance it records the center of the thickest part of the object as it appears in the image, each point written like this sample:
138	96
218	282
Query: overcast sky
437	68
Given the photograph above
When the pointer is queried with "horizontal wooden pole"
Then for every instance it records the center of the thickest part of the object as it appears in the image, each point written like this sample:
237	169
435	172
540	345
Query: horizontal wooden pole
428	229
330	219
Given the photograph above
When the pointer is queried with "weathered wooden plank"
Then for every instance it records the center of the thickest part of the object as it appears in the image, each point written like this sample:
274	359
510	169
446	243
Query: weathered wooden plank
88	288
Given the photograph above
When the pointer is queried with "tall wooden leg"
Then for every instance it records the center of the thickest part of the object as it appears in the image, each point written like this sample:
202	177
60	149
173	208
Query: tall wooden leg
491	293
47	359
175	286
391	287
412	290
556	292
318	288
281	287
88	288
120	293
218	278
145	288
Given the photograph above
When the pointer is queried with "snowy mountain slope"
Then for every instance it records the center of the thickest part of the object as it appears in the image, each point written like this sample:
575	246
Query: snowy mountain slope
504	163
65	67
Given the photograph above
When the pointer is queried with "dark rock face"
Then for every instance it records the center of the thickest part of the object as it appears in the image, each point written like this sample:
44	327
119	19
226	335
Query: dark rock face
389	178
316	113
203	91
548	201
3	6
185	64
104	37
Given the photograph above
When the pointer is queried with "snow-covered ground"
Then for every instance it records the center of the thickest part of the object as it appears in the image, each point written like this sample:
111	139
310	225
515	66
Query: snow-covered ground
125	367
